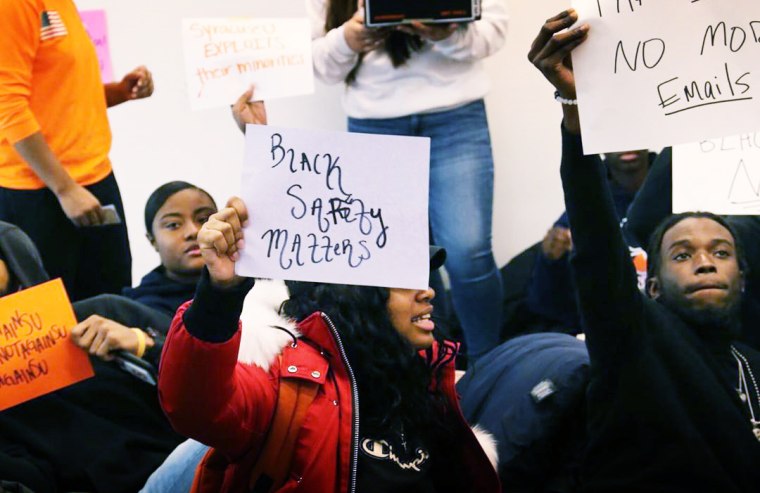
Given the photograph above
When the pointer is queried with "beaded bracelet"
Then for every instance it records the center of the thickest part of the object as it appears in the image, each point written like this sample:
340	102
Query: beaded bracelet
570	102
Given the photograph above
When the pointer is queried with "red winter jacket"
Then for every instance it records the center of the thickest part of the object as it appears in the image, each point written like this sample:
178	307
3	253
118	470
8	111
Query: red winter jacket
212	398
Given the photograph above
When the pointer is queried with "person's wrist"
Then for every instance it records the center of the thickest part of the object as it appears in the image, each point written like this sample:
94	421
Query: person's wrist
141	342
348	35
567	101
125	91
64	187
226	285
570	120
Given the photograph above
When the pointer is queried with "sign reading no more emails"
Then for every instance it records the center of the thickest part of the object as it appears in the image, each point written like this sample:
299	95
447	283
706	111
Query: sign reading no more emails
654	73
224	57
336	207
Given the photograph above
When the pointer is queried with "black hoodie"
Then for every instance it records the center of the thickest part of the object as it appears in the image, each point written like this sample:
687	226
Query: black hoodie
664	415
158	291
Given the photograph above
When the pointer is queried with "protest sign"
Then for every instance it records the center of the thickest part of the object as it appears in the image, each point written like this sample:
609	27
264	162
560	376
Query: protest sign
223	57
36	354
336	207
97	28
654	73
719	175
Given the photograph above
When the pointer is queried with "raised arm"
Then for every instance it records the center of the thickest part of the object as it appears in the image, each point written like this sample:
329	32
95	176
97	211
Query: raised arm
608	296
205	393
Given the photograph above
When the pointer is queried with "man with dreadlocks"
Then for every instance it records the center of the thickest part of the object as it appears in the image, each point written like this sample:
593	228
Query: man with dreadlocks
674	403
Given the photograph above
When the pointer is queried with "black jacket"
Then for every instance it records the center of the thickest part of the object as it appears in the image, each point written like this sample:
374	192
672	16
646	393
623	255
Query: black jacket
664	414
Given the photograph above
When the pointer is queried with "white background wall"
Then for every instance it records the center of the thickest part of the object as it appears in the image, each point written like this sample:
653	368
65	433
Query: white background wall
160	139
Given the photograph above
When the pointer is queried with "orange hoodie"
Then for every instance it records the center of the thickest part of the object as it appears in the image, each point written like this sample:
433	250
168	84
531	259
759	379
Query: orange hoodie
50	82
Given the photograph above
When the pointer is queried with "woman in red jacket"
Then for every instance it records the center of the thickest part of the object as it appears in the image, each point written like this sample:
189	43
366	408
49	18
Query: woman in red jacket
386	416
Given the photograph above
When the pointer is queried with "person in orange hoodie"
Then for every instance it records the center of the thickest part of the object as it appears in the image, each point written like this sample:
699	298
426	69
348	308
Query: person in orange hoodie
56	181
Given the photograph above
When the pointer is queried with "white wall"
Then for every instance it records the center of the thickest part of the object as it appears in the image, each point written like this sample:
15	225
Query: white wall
160	139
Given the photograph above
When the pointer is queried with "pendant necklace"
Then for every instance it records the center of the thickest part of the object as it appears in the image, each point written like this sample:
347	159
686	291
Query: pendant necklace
743	389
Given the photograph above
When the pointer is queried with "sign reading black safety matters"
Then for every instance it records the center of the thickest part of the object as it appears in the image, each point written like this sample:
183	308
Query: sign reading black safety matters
336	207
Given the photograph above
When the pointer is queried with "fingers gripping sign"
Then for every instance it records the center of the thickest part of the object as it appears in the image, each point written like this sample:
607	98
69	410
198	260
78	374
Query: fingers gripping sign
551	49
246	110
550	53
221	239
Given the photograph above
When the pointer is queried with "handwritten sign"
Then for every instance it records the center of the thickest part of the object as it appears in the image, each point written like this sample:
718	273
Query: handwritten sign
336	207
719	175
97	28
662	72
225	56
36	355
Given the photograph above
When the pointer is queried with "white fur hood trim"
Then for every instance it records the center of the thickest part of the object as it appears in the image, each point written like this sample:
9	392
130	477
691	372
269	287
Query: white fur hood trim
260	343
488	444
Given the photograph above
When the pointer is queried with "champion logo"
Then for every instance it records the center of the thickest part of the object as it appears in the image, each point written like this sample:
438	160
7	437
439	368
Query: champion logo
52	26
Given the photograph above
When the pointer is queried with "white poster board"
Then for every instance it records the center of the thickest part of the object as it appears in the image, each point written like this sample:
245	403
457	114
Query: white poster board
654	73
336	207
224	56
718	175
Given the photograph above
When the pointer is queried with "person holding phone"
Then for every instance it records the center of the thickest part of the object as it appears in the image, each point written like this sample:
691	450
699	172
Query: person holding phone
427	80
55	175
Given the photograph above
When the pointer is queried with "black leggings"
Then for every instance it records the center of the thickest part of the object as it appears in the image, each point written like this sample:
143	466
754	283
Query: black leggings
90	261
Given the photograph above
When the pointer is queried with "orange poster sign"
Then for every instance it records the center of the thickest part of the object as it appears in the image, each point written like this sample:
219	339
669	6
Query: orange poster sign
36	353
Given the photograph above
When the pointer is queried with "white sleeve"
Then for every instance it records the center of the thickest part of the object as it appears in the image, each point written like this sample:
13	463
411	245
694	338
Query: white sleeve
478	39
333	58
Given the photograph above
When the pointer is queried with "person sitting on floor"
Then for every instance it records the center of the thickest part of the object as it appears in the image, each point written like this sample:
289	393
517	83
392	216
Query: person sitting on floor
375	342
108	433
550	292
672	402
174	214
654	203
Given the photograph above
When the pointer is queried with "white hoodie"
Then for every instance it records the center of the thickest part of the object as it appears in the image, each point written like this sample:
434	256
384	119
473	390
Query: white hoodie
442	75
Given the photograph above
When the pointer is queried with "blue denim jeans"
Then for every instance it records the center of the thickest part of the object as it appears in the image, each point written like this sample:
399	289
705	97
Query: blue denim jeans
460	210
177	472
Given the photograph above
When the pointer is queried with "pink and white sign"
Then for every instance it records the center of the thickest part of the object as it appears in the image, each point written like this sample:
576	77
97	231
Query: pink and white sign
95	23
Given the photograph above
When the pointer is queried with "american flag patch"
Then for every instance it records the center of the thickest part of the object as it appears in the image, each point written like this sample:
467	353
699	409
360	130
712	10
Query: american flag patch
52	25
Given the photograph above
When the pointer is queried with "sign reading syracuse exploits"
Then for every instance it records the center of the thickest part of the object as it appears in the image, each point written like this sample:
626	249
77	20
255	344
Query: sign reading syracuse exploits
661	72
336	207
224	57
36	353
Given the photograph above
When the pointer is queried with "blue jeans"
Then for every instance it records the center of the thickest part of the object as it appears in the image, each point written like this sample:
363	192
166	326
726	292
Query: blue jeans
177	472
460	210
